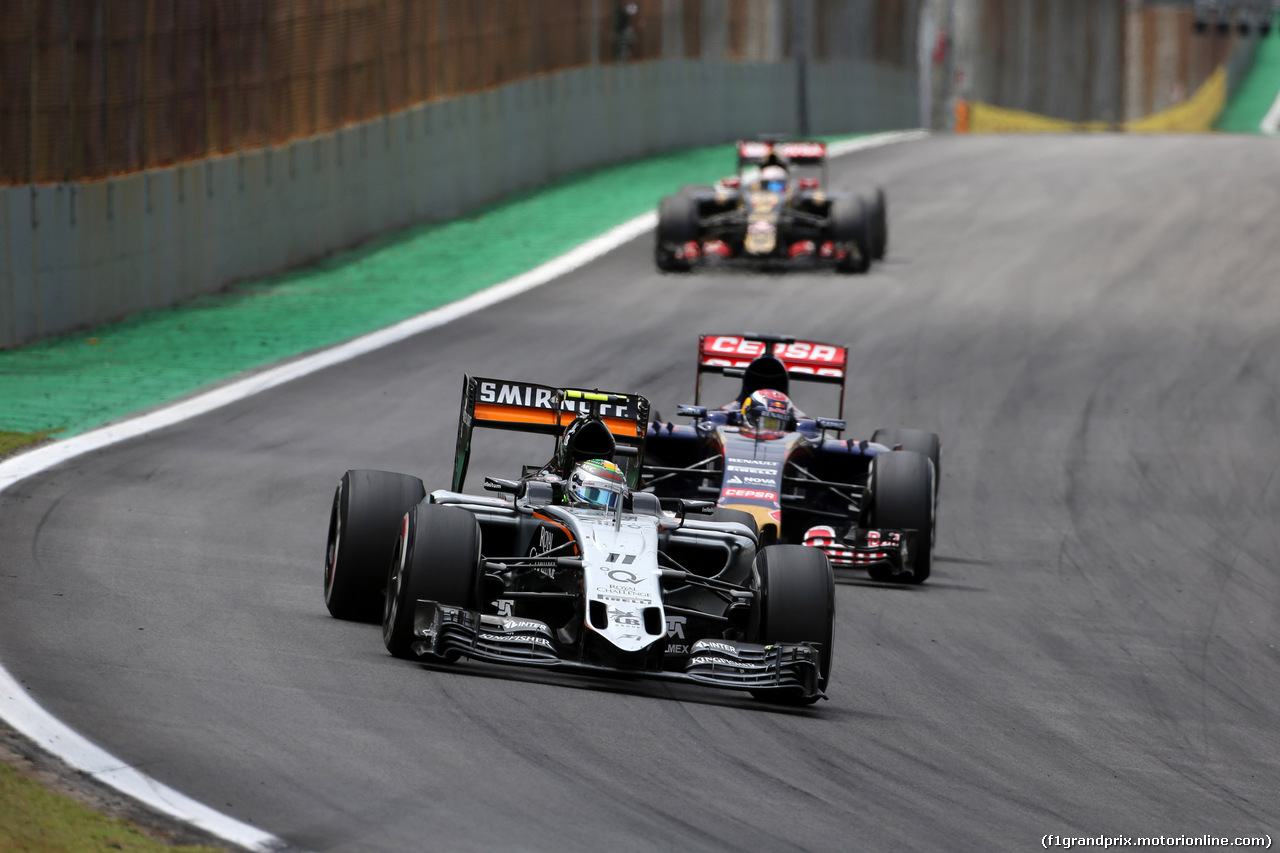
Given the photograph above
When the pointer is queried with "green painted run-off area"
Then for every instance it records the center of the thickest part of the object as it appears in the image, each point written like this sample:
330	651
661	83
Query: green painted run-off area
75	382
1257	91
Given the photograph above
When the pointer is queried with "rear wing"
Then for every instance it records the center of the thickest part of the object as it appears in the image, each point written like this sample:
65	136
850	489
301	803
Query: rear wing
805	361
527	407
756	152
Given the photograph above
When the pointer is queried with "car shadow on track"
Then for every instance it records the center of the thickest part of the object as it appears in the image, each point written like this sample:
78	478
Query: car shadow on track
853	577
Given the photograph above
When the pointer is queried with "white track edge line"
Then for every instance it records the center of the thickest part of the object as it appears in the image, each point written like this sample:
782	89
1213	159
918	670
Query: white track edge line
24	714
1271	121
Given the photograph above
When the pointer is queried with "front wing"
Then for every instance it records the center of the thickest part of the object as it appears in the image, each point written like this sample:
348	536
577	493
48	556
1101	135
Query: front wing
865	549
448	632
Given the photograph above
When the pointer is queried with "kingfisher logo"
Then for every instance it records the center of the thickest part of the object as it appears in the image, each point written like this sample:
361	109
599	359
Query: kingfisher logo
750	494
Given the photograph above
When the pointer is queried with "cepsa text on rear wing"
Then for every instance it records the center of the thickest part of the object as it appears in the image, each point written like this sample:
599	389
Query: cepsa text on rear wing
805	361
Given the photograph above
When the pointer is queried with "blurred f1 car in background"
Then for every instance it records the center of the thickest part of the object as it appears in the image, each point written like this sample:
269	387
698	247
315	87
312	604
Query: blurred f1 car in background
567	567
769	216
866	504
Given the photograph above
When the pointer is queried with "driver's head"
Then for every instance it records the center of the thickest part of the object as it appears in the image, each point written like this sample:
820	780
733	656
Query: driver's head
597	483
767	411
773	178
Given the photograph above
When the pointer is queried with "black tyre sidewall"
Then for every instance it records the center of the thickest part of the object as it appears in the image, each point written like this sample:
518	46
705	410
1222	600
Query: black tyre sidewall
677	224
797	601
363	523
436	558
850	226
724	514
902	498
919	440
879	226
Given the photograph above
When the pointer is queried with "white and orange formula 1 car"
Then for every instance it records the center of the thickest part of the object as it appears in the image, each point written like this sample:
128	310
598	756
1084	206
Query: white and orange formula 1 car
564	570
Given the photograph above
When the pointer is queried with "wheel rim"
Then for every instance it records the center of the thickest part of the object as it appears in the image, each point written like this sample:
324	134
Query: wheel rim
395	578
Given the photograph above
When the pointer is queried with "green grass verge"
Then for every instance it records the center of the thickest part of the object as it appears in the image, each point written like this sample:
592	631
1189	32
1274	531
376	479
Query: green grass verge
33	819
11	441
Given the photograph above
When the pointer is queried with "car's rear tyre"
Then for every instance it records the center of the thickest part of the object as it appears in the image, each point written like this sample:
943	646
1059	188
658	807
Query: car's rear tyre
721	514
919	440
902	498
879	225
851	232
437	558
797	604
677	225
363	522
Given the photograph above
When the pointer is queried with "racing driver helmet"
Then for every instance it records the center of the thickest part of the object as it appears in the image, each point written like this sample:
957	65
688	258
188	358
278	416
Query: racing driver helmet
766	412
598	483
773	178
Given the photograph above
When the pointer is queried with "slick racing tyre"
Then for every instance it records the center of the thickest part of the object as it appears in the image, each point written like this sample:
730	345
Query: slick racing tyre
363	523
851	231
902	498
721	514
677	225
437	558
879	209
919	440
797	604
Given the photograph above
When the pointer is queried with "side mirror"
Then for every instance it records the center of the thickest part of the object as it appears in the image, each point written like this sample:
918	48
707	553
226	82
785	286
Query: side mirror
830	423
686	411
704	507
496	484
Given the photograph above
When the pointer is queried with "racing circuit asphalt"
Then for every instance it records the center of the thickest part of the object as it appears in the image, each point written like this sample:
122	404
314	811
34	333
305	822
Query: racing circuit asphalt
1090	322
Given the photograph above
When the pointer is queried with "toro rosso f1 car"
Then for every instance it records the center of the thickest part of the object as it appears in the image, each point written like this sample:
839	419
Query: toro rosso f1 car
866	504
576	571
768	216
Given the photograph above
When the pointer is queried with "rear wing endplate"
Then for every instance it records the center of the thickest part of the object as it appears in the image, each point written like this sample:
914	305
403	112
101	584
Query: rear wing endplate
543	409
806	361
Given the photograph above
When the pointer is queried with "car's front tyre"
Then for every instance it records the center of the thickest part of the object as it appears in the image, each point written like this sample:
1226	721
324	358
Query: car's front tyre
436	558
677	225
796	604
851	232
902	498
363	521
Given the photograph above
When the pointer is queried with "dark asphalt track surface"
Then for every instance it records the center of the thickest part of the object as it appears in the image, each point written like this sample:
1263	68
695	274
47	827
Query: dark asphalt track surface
1091	323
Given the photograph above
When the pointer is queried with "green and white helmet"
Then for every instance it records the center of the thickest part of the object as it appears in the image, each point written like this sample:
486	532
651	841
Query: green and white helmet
598	483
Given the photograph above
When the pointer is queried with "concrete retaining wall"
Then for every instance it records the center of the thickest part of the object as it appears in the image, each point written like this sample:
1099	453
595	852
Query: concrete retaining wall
1106	62
77	254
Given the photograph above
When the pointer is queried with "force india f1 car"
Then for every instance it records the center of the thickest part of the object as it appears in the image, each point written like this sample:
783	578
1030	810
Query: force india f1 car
865	504
764	216
679	591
